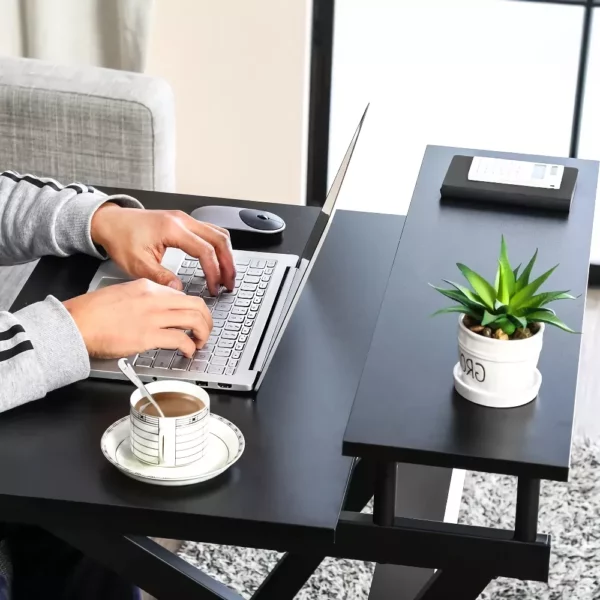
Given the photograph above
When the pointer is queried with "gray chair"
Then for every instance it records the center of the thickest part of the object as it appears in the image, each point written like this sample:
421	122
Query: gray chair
97	126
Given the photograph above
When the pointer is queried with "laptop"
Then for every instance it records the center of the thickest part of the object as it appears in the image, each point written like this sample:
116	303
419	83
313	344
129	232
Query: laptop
248	322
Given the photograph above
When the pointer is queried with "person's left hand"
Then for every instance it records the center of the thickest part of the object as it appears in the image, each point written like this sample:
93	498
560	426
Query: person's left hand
137	240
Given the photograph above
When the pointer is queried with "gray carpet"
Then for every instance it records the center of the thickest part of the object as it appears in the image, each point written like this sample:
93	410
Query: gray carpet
571	513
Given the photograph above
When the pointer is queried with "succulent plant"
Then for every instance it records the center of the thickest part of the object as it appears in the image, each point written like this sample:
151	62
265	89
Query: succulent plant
510	303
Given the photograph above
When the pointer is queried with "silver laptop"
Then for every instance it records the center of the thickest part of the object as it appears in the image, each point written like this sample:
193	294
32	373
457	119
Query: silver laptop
248	322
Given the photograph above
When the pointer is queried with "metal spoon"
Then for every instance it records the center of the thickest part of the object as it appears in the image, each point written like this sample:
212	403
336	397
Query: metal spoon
130	373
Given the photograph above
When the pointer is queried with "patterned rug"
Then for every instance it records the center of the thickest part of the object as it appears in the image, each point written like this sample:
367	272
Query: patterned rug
571	513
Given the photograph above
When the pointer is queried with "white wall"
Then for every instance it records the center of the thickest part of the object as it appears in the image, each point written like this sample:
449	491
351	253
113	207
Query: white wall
239	71
489	74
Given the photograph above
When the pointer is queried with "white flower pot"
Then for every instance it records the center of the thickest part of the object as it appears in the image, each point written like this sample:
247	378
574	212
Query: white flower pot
497	373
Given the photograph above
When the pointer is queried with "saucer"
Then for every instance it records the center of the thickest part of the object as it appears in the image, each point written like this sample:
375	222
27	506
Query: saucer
225	446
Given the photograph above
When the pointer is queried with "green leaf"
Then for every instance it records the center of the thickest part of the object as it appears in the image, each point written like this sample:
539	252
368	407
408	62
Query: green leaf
506	285
466	291
497	280
543	316
481	287
499	308
516	273
505	324
523	312
455	309
547	297
489	318
524	277
522	296
457	296
518	321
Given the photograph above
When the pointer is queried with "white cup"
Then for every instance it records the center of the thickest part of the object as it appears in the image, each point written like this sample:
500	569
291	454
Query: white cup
169	441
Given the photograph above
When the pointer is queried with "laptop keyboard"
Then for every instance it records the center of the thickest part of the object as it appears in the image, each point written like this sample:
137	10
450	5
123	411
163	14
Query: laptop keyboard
234	314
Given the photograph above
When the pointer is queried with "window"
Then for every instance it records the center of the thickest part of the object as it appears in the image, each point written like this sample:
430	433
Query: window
495	74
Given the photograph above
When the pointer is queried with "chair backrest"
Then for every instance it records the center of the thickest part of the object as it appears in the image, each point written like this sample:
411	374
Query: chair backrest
88	124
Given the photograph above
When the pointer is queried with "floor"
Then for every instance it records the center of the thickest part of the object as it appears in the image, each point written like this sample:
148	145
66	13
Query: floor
569	513
587	412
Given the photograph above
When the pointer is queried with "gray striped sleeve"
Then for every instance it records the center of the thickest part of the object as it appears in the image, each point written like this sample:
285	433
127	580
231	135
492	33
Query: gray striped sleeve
40	217
40	350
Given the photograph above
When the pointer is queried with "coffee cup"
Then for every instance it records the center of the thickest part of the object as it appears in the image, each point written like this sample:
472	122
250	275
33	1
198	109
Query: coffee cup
181	436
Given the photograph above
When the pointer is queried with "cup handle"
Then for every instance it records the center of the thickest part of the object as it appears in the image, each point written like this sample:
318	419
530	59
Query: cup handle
161	445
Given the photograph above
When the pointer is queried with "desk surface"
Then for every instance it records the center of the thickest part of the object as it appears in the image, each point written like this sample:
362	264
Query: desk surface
289	485
406	408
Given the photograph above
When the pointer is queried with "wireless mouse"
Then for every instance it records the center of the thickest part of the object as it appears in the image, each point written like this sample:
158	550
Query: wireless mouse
246	220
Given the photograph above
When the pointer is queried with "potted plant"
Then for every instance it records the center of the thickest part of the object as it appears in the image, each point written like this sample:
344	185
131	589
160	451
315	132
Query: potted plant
500	332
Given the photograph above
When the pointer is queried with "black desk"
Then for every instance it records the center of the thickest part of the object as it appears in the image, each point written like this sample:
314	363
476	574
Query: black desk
356	335
406	409
287	490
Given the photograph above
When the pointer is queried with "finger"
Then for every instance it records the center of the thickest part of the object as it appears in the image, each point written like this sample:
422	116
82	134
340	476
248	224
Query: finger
186	319
215	227
153	270
194	245
170	300
220	240
173	339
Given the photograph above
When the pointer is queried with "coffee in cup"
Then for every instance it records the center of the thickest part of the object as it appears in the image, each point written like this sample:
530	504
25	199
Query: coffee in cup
172	404
180	437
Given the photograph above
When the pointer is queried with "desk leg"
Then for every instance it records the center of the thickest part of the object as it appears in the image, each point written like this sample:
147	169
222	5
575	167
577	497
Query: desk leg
288	576
384	503
147	564
293	569
421	492
457	584
528	504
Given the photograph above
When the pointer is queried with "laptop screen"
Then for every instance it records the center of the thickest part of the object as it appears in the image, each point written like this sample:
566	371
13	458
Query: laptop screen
311	251
320	229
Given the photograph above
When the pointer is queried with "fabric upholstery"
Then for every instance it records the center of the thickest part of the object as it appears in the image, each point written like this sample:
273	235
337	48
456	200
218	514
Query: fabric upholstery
86	124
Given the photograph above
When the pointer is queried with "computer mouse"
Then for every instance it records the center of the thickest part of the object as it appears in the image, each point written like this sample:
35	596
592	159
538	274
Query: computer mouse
246	220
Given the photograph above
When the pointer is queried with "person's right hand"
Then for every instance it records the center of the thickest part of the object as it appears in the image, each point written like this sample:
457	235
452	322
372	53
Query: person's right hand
133	317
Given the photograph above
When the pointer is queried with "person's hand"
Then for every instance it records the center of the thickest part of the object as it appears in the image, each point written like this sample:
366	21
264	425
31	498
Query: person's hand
133	317
137	240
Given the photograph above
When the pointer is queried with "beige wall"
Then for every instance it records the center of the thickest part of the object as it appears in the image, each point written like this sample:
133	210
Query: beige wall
239	70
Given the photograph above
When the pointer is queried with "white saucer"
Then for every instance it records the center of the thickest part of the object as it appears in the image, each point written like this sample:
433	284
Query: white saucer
225	446
496	400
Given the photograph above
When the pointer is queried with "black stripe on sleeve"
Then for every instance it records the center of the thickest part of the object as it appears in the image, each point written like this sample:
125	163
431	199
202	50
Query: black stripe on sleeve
15	350
36	182
79	188
9	334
